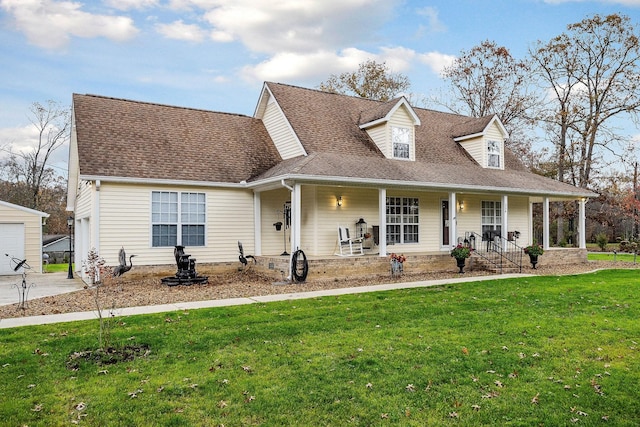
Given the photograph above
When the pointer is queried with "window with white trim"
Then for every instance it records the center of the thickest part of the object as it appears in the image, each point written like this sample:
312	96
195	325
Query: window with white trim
177	218
493	154
402	220
491	218
401	139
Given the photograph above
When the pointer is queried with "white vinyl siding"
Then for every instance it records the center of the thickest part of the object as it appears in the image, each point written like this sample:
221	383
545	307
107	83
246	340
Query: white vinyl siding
382	134
281	132
229	218
379	136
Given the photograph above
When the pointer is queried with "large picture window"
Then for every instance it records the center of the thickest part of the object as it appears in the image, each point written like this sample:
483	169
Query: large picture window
401	138
177	218
491	218
402	220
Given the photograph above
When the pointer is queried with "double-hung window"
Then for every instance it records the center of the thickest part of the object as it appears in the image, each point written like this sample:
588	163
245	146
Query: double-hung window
177	218
402	220
491	218
401	138
493	154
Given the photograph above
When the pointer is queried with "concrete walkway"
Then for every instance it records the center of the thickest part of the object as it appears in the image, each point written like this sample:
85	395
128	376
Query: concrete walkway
38	284
132	311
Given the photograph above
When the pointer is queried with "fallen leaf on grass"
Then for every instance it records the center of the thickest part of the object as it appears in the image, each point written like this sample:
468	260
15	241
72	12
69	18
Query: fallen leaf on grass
453	415
37	408
475	407
222	404
369	385
535	399
384	416
410	387
81	406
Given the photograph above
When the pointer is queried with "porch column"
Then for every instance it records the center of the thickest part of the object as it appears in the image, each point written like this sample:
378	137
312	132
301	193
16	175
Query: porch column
382	220
505	220
582	238
295	217
545	223
257	224
453	220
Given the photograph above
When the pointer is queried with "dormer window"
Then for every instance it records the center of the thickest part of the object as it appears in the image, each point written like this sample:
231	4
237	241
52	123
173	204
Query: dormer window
401	138
493	154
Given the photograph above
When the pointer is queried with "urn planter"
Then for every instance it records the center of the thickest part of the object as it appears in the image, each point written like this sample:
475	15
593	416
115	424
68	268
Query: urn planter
534	260
460	263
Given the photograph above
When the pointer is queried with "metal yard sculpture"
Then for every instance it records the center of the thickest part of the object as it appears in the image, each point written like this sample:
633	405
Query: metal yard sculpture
119	270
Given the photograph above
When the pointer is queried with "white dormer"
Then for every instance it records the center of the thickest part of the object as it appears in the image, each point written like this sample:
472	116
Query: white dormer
391	126
486	145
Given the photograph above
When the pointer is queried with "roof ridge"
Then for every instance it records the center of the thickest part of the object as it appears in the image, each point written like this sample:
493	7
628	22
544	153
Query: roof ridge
158	104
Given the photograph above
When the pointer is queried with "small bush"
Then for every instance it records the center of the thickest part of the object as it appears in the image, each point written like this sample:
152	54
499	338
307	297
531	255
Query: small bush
602	240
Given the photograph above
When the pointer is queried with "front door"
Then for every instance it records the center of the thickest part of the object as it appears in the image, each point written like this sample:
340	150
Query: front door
445	223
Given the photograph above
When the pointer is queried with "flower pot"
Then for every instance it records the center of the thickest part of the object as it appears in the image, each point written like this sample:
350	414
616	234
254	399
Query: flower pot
460	262
534	260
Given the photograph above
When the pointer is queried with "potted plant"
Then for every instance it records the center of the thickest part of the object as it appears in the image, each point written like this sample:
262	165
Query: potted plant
397	264
461	253
534	251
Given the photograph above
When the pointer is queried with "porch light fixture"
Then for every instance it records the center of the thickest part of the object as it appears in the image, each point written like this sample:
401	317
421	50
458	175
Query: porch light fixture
70	224
339	201
461	206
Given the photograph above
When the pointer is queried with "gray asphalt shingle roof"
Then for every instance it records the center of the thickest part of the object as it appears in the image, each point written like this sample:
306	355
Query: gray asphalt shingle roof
121	138
130	139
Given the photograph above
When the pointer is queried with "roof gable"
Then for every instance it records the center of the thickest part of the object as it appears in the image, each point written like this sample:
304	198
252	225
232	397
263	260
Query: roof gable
383	113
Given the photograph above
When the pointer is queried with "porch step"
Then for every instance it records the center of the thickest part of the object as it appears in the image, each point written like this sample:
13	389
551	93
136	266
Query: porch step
494	263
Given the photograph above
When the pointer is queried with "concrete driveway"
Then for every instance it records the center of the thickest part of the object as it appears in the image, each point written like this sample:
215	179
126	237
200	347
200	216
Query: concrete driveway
44	285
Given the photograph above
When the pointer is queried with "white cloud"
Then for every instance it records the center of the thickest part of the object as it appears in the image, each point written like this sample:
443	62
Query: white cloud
272	26
178	30
431	13
317	66
131	4
436	61
50	24
19	140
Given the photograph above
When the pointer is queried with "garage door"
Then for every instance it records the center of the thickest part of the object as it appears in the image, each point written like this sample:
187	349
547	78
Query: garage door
12	243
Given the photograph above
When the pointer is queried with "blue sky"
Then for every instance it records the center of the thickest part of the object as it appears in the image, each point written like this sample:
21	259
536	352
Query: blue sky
215	54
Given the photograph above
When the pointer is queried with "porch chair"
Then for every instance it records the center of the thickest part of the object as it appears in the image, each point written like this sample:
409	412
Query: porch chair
345	242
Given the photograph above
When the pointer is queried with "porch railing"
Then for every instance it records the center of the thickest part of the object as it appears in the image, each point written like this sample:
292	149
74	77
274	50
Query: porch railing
495	250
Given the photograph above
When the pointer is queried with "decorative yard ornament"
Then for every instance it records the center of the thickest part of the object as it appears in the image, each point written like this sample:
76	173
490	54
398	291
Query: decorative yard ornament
123	267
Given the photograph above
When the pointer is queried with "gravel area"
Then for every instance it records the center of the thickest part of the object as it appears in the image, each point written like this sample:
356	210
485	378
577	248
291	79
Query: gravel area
133	289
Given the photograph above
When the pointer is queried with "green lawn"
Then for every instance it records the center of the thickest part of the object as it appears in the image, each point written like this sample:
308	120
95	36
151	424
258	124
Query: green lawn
56	268
625	257
532	351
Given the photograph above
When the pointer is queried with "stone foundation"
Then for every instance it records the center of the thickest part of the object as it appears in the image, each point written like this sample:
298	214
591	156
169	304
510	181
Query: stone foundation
362	266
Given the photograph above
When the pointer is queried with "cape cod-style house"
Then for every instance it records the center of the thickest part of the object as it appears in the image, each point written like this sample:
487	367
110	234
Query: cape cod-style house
404	179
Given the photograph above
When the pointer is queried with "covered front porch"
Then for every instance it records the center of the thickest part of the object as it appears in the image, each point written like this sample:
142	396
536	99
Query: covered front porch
408	220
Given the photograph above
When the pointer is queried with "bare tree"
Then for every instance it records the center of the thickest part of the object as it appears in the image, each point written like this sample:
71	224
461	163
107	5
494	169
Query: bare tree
488	80
592	73
28	173
372	80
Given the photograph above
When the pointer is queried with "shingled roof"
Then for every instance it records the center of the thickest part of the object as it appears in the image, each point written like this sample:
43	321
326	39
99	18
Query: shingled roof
327	126
137	140
130	139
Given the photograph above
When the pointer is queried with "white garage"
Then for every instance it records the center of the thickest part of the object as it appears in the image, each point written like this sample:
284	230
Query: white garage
20	237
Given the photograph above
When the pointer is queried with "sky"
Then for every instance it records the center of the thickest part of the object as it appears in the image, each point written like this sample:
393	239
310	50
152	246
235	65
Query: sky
216	54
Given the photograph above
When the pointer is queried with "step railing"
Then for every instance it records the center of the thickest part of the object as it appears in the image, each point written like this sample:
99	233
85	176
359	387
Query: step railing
495	250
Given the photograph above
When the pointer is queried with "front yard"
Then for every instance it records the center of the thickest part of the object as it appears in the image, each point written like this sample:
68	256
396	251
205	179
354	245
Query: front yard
529	351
